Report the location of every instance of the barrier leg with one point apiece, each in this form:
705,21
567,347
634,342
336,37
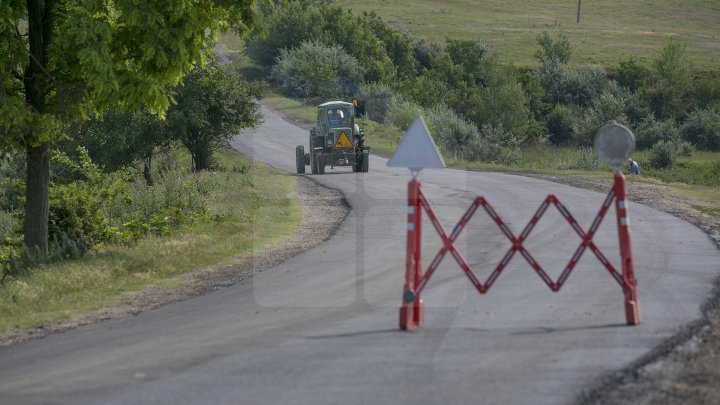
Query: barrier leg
632,305
411,310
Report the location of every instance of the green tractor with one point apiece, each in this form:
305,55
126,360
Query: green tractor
336,140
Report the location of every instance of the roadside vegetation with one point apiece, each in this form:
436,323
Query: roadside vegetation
487,111
114,162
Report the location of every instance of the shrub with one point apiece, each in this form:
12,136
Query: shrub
561,123
329,23
377,99
402,115
668,93
316,70
661,155
570,86
557,48
632,75
654,131
615,103
496,145
702,129
452,132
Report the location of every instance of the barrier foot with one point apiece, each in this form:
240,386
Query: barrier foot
632,308
412,314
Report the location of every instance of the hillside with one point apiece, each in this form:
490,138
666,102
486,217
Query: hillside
609,31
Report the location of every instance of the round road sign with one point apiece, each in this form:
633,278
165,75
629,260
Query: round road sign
614,143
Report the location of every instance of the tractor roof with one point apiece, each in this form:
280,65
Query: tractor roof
336,103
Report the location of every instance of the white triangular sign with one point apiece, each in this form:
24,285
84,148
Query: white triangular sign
417,149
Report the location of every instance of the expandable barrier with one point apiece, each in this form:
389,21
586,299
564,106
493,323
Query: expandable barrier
412,311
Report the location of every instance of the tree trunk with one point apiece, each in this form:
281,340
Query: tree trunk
201,158
41,18
36,203
147,169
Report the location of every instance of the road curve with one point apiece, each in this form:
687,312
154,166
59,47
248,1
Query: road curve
321,328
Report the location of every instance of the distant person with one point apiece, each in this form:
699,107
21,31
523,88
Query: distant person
634,168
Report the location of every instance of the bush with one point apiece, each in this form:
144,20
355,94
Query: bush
365,37
452,132
653,131
668,93
402,115
81,210
570,86
557,48
496,145
561,123
377,99
632,75
316,70
661,155
664,154
615,103
702,129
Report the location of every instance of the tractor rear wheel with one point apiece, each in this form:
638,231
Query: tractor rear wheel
357,164
300,159
321,164
365,161
313,163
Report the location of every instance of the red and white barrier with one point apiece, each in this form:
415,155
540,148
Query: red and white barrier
411,310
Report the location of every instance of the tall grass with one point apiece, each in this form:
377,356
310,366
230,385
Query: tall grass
255,210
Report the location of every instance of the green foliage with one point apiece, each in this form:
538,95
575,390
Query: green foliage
82,209
377,98
702,129
557,48
561,123
654,131
667,94
327,23
315,70
502,103
615,103
706,91
453,134
403,114
495,145
78,58
565,85
213,104
662,155
632,75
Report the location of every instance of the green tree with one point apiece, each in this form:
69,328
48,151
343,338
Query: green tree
316,70
61,60
557,48
118,139
668,93
212,105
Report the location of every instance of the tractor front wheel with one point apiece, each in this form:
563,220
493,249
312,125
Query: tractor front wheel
300,159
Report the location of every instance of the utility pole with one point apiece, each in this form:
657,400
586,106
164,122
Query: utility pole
578,15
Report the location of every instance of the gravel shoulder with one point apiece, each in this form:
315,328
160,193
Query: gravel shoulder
683,370
323,210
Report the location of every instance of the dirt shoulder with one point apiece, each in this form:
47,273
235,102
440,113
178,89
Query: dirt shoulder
322,209
683,370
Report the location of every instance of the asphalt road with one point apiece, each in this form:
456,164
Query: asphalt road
321,328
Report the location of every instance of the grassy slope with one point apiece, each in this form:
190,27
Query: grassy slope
609,31
258,212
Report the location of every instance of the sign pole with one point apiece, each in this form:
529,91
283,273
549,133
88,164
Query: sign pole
412,308
632,305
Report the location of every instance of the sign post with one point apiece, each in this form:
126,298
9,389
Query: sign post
613,144
416,151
